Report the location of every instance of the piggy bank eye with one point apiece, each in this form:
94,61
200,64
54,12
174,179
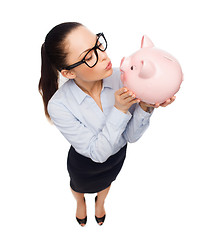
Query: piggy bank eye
133,67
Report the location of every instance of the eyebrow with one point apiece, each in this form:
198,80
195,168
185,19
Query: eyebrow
88,48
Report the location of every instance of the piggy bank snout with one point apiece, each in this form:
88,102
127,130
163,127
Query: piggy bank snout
121,65
125,63
122,60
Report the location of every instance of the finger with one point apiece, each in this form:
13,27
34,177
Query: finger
130,99
173,99
128,94
121,91
150,105
156,105
133,101
166,103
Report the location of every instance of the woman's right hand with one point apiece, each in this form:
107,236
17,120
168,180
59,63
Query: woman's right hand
124,99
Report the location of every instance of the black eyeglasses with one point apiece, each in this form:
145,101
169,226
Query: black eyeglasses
91,57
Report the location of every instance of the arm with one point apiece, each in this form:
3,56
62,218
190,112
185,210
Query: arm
98,146
138,123
141,118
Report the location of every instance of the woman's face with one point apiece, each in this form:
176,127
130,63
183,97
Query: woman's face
77,43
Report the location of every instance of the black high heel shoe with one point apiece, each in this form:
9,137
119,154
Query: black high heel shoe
82,221
99,220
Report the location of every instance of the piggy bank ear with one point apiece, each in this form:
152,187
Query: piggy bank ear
147,69
146,42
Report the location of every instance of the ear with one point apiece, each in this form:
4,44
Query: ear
147,69
146,42
68,74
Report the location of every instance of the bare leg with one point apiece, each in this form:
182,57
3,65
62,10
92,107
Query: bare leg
81,205
99,206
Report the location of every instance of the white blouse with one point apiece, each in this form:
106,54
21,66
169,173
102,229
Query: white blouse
92,132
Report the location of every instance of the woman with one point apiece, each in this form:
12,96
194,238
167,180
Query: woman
94,112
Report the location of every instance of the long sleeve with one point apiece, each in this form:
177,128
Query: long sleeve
92,132
99,146
137,125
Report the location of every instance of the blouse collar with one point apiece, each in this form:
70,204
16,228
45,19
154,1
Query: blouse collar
80,95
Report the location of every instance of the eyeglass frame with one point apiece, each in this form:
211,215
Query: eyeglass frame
95,50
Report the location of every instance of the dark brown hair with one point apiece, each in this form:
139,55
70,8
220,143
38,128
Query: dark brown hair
53,59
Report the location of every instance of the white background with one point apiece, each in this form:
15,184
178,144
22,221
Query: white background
172,183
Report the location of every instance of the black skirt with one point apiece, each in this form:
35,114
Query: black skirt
87,176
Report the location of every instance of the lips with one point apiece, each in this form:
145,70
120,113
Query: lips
109,66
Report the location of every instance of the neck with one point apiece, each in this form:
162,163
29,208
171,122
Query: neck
91,88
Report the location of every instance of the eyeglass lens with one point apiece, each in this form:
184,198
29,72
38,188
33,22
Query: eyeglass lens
91,58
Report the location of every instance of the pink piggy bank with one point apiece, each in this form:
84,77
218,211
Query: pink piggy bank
153,75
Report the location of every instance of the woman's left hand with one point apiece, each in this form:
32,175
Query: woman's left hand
145,106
